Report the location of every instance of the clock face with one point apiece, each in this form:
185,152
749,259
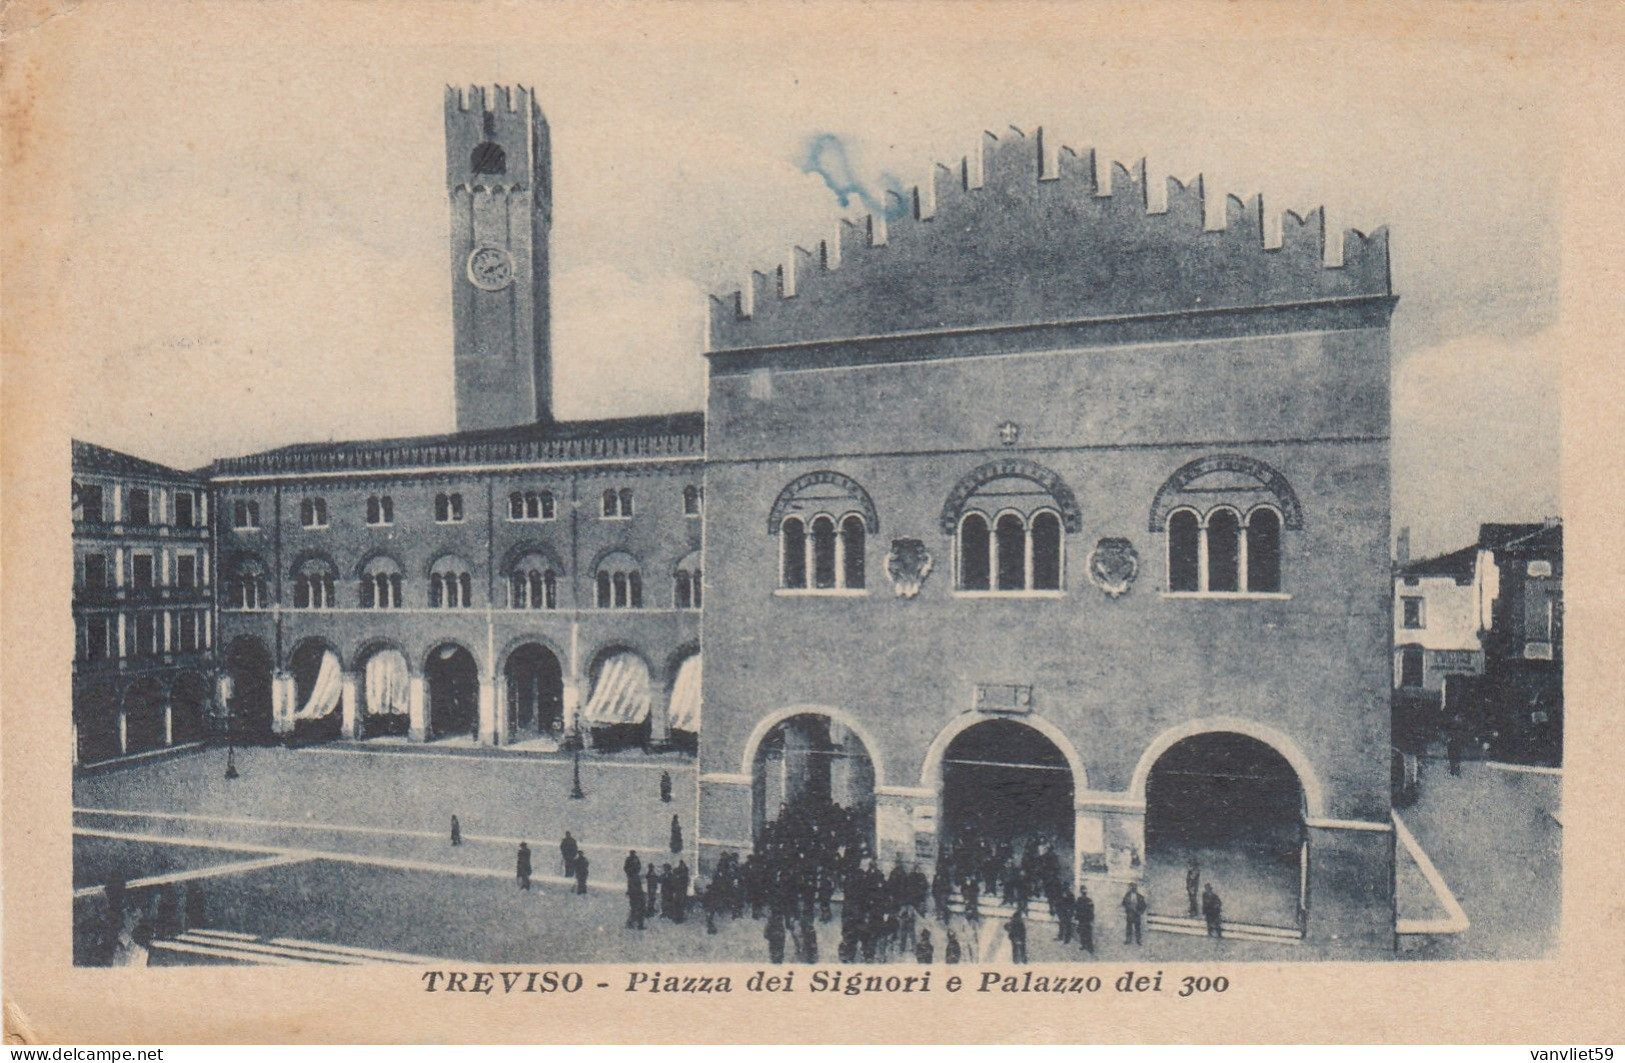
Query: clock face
490,268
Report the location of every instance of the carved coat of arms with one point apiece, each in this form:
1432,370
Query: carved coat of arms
1113,564
908,564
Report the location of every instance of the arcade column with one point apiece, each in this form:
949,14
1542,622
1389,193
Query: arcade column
502,710
417,716
659,717
283,696
350,705
488,711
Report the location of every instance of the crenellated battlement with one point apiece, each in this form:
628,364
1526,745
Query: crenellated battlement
1016,235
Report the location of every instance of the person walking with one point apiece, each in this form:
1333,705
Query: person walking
523,866
456,832
568,848
679,889
676,836
1016,930
1211,909
1083,920
581,873
634,891
651,891
775,938
1133,914
950,949
1193,885
924,951
665,787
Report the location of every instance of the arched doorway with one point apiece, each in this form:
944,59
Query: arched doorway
188,707
1234,804
813,766
385,692
453,682
1007,795
96,715
535,683
143,716
318,690
248,664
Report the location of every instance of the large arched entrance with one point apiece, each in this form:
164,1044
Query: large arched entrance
189,703
385,692
143,716
453,682
1235,805
813,767
318,690
248,664
1007,796
96,716
535,682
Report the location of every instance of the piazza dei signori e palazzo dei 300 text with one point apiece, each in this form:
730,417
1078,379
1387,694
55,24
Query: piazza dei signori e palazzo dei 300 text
1018,507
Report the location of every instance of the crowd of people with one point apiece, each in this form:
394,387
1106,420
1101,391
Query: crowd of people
815,852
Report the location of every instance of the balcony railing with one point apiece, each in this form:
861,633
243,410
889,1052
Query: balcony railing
91,527
143,595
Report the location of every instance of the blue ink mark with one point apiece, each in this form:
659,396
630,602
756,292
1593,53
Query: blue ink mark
826,156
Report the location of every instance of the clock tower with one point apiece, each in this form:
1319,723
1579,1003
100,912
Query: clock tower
498,176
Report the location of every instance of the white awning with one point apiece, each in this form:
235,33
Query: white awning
326,691
622,694
685,697
388,684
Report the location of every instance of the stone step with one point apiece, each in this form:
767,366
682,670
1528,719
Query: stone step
1178,924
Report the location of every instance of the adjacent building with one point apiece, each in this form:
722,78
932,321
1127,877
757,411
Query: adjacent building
143,597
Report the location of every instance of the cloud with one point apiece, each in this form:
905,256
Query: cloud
1475,438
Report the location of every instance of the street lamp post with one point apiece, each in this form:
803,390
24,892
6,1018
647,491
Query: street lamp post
231,741
576,792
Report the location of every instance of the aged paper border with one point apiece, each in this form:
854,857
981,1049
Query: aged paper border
1573,997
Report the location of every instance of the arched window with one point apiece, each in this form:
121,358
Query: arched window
626,501
246,586
451,585
1263,544
380,584
313,584
1010,552
313,512
1223,552
823,552
516,505
975,564
1046,551
619,582
1021,548
1184,551
793,554
488,158
686,583
852,551
380,510
612,503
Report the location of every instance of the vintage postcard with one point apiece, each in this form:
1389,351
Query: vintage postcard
810,523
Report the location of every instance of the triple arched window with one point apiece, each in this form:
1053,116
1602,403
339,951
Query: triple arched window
531,505
380,584
533,583
619,582
313,584
1224,551
247,586
1011,552
823,521
451,585
1225,517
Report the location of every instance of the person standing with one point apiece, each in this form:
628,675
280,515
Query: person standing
809,939
1133,914
1452,747
634,891
581,873
1193,885
1016,930
665,787
1062,904
523,866
711,900
676,836
950,950
775,938
456,832
568,848
1083,919
907,920
651,892
1211,909
941,890
679,889
924,951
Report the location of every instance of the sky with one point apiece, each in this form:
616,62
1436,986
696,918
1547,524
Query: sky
257,245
